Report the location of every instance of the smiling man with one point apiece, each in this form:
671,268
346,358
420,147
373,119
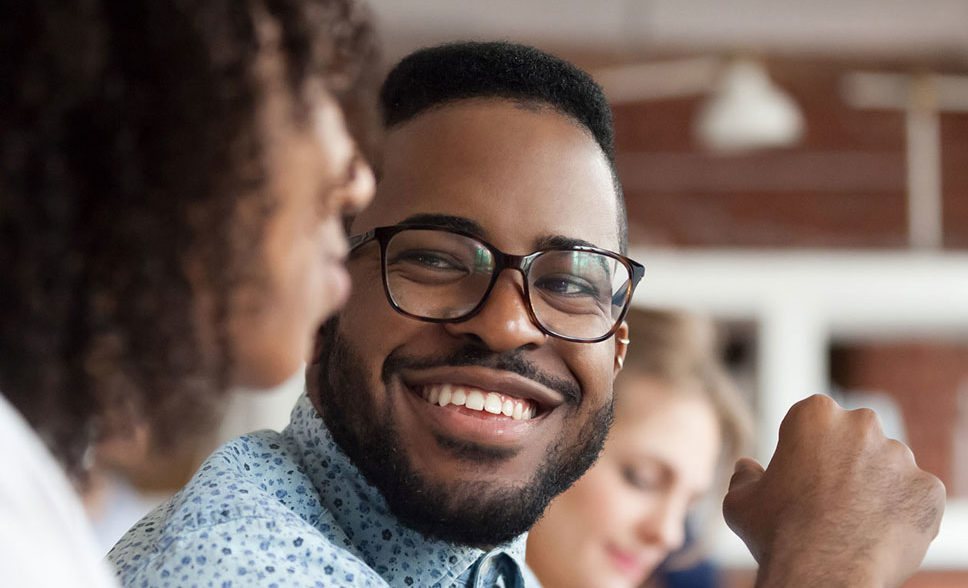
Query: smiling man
469,379
476,394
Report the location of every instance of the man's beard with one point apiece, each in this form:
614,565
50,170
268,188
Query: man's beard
478,514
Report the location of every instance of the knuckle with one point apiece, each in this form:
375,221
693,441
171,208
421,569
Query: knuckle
811,407
813,411
933,500
935,487
867,420
901,451
816,402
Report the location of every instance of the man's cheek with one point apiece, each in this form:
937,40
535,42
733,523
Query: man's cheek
366,325
595,375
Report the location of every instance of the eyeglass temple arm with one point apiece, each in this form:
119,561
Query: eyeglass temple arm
357,240
623,293
619,298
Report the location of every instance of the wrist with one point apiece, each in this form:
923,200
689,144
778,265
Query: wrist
806,563
811,574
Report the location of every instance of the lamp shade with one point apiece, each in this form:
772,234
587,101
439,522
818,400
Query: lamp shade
747,111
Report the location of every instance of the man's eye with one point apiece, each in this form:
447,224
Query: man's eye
429,260
566,285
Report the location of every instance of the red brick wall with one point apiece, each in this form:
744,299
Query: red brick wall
844,186
923,377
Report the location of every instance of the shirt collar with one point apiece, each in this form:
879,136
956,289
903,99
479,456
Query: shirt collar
399,554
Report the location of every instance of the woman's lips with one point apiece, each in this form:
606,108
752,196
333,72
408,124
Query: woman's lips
628,563
339,282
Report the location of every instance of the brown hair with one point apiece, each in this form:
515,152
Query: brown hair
681,350
130,146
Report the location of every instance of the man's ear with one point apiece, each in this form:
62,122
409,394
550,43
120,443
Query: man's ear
621,346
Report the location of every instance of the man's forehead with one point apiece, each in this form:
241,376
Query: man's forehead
508,234
511,171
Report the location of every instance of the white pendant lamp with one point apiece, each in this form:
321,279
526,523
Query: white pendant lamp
747,111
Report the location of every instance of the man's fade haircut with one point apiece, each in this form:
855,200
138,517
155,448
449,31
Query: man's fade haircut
436,76
131,145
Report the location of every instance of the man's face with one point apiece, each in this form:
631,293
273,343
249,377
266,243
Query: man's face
522,178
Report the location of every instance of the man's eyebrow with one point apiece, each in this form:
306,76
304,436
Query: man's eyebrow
560,242
461,223
446,221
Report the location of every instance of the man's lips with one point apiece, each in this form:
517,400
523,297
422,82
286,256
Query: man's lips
482,401
489,382
484,397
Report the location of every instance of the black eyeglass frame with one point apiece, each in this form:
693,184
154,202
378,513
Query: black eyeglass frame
502,261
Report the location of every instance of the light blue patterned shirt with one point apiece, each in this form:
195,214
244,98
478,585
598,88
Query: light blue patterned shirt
290,509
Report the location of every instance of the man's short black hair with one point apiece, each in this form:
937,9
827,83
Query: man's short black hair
435,76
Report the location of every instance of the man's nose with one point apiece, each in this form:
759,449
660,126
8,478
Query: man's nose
504,323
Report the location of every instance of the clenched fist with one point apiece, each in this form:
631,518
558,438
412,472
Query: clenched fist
839,505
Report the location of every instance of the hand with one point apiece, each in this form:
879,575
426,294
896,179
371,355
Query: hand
840,504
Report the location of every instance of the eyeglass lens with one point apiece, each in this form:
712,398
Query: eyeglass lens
442,275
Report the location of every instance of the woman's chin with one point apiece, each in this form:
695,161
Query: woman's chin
337,289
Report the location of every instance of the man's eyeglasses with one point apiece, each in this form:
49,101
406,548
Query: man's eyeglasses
442,275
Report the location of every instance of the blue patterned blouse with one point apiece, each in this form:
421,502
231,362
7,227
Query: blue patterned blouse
290,509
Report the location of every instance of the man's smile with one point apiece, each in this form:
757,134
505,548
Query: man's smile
481,401
480,405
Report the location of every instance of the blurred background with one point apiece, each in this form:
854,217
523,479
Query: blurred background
798,170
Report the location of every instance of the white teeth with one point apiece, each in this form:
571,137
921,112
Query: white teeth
475,400
508,407
445,394
492,403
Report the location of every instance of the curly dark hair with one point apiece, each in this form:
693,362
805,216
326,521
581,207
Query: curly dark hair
130,149
436,76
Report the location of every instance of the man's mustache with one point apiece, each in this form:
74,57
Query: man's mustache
509,361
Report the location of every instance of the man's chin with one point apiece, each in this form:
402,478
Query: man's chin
476,512
474,455
393,445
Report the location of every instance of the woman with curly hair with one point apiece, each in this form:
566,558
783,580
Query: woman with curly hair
173,176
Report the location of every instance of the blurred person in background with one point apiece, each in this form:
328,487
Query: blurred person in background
173,177
680,424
